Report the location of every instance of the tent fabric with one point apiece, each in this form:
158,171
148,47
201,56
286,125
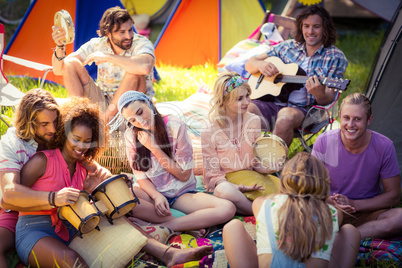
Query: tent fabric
158,10
33,41
384,9
385,86
198,32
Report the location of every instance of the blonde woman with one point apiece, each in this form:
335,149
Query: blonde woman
295,228
227,140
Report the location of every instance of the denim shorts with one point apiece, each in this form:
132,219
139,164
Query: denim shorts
31,228
171,200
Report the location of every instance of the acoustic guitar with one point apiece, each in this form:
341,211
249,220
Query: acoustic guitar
290,77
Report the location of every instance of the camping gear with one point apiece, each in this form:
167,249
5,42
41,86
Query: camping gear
198,32
62,18
116,196
270,149
384,86
83,215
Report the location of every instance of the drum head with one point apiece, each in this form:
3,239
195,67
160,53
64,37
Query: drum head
101,186
62,18
270,150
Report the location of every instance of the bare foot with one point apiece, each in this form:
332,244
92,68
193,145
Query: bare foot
176,256
139,221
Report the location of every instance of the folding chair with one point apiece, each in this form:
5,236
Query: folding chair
286,25
317,117
10,96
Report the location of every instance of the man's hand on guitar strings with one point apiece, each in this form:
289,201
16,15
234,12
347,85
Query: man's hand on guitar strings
268,69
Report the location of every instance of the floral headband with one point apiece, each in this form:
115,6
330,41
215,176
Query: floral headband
233,83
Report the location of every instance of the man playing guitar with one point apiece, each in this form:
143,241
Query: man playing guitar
313,51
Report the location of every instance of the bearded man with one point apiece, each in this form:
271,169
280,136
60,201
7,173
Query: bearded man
124,59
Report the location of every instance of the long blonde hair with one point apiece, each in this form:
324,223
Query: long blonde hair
34,101
305,220
224,95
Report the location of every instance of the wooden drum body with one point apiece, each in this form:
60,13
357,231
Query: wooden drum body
62,18
270,149
116,196
83,215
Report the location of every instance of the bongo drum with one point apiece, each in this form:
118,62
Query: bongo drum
116,196
270,149
83,215
62,18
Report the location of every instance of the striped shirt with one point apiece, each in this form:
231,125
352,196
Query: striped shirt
325,62
15,152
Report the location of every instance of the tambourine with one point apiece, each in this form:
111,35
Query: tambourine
270,149
62,18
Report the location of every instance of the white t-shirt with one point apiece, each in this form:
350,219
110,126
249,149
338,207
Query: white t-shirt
300,96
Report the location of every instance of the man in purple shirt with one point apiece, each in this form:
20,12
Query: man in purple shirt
314,51
359,162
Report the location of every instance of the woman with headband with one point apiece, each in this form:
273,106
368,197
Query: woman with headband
227,141
161,156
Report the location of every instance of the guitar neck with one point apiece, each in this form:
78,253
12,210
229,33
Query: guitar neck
295,79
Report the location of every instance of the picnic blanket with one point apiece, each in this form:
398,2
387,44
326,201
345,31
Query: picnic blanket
374,250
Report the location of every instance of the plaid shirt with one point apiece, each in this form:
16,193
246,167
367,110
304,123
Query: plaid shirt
326,62
110,75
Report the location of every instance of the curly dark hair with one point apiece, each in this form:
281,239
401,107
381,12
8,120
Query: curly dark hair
80,111
329,31
114,16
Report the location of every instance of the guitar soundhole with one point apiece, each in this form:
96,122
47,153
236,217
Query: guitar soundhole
278,78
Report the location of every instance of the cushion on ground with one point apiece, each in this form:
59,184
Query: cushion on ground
270,183
113,246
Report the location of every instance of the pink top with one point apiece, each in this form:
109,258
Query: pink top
223,154
56,177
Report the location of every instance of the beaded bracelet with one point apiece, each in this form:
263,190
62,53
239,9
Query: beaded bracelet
59,59
53,199
49,198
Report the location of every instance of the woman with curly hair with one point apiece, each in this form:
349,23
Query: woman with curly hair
295,228
227,141
41,237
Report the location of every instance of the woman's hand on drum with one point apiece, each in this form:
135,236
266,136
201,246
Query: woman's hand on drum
93,179
58,34
162,206
244,188
66,196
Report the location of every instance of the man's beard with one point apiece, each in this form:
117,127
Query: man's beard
120,43
43,139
